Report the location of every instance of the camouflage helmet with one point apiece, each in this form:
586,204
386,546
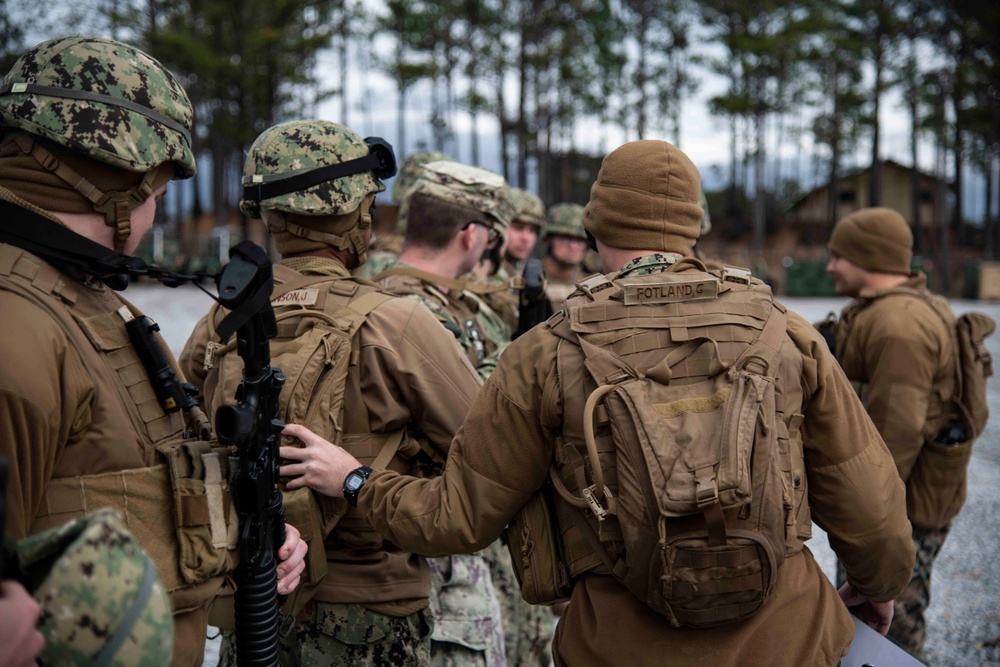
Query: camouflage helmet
565,220
103,99
530,209
313,167
479,189
408,170
102,601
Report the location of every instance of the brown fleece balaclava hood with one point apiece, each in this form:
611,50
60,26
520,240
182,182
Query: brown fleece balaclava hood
55,179
876,239
646,198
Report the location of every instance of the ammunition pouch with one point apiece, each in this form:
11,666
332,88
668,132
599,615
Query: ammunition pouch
194,545
936,487
536,551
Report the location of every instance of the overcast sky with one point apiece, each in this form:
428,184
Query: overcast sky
704,137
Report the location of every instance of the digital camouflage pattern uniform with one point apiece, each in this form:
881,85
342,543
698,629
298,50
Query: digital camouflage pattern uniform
900,356
468,622
372,606
527,628
530,211
102,601
77,407
480,331
562,220
386,248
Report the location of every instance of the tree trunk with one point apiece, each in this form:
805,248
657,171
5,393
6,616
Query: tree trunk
641,75
988,239
401,121
944,262
916,187
875,173
733,161
502,118
522,109
958,214
913,101
474,122
759,189
401,86
344,34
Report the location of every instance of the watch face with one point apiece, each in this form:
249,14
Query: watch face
353,482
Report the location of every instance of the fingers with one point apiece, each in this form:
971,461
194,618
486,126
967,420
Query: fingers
302,433
883,612
294,453
293,551
850,597
286,587
292,539
286,573
19,613
293,469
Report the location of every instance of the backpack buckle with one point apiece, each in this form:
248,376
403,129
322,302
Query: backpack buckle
590,495
706,490
594,283
211,348
733,274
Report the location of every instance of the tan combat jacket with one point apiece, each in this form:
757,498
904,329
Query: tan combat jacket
76,401
479,330
411,375
504,453
900,355
559,290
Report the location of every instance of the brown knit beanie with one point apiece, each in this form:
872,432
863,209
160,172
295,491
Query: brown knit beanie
646,198
876,239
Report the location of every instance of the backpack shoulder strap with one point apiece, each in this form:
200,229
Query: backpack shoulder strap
767,346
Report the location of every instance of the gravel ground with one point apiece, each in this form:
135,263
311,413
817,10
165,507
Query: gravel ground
964,618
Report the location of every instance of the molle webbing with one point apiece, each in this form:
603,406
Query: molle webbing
101,341
474,286
340,302
144,498
598,316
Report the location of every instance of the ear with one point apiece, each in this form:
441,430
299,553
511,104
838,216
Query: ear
467,236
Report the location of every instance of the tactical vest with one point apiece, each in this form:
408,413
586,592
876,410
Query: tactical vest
646,318
193,542
317,348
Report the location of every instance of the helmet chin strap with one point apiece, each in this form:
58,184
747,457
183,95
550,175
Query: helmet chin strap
117,206
353,240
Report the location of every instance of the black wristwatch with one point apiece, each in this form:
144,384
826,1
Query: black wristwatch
353,483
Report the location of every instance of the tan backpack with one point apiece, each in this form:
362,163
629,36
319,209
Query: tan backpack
316,347
973,361
975,365
700,501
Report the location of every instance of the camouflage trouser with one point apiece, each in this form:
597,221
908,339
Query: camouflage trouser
349,635
909,629
463,604
527,629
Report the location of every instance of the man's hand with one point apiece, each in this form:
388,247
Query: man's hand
322,466
876,615
21,641
292,555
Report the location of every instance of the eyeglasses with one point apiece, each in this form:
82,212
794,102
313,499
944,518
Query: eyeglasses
494,233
